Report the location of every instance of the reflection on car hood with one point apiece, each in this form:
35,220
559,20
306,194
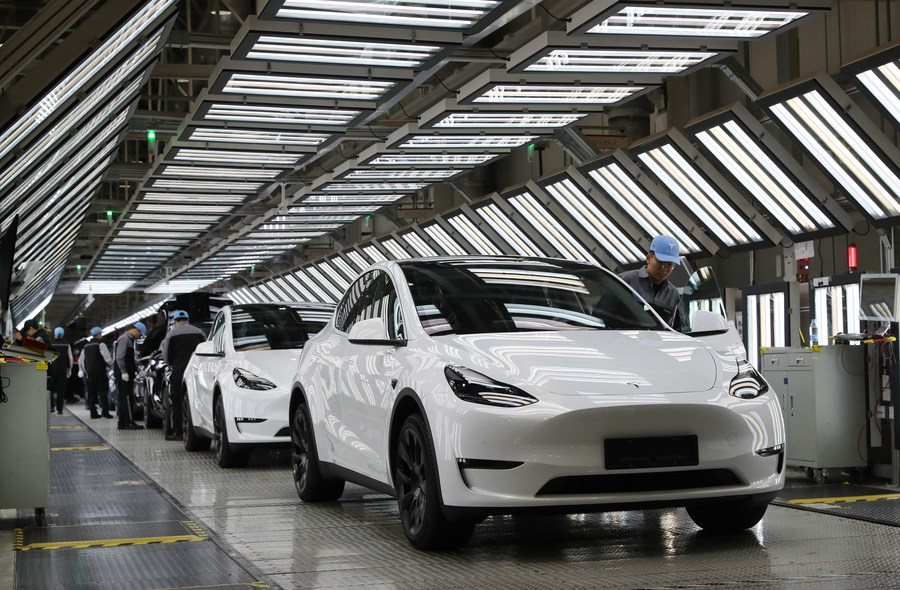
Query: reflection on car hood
278,366
588,361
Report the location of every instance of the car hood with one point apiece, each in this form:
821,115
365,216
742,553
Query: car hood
278,366
588,362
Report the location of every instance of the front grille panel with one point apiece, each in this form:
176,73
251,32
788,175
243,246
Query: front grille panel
639,482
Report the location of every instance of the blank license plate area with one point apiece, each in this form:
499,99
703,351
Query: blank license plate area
658,451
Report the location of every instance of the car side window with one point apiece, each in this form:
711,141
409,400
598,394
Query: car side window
352,306
217,335
386,305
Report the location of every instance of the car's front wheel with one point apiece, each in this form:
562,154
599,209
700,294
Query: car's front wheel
727,517
226,454
311,485
192,441
418,493
151,420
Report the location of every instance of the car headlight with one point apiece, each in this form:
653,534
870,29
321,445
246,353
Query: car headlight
247,380
748,383
476,388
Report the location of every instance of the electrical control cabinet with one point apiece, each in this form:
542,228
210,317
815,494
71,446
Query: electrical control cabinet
822,396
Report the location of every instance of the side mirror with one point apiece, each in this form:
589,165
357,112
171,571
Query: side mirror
206,349
372,331
708,322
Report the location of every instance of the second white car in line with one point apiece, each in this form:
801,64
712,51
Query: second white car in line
237,385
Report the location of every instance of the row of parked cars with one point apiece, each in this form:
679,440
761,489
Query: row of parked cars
472,386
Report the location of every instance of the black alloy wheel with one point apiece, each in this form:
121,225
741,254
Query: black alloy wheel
311,485
192,441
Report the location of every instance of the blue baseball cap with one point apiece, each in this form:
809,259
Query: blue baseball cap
665,248
59,332
141,327
180,315
96,331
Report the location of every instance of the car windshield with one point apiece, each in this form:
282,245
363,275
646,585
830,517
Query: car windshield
473,296
274,327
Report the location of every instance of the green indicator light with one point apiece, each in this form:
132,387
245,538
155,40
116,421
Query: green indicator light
78,267
109,213
151,135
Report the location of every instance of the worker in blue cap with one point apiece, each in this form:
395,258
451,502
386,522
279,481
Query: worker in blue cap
125,368
651,281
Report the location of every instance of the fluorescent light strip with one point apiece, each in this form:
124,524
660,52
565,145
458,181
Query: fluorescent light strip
431,159
176,218
81,75
760,174
333,276
206,156
466,141
352,187
241,295
281,115
450,246
374,253
330,209
159,235
475,237
207,185
550,228
179,286
418,244
306,87
836,146
453,14
508,120
257,137
696,22
884,84
320,294
375,174
614,61
136,225
284,286
513,235
640,206
212,172
282,294
185,199
305,293
395,249
337,51
349,272
334,291
357,259
573,200
178,209
101,287
699,196
348,199
566,94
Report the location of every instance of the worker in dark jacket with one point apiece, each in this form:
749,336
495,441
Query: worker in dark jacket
60,369
125,368
652,280
93,363
177,348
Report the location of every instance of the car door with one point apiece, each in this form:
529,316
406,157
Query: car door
208,366
367,375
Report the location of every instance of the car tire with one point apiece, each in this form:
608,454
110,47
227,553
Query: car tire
311,485
418,491
727,517
192,441
226,454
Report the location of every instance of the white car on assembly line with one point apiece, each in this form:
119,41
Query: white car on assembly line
237,384
472,386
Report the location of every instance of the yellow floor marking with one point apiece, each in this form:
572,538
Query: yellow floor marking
64,427
88,448
844,499
111,542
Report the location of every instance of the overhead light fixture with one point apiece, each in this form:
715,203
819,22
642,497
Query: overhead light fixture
447,114
101,287
415,242
617,176
698,18
549,227
596,222
366,187
335,277
306,87
443,238
340,51
514,236
278,114
553,51
334,290
348,271
451,14
187,198
746,152
337,197
699,195
252,173
847,146
878,74
467,229
413,160
183,208
178,286
467,142
367,175
245,157
396,250
498,87
204,185
255,136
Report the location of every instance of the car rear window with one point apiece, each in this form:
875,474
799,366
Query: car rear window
257,327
